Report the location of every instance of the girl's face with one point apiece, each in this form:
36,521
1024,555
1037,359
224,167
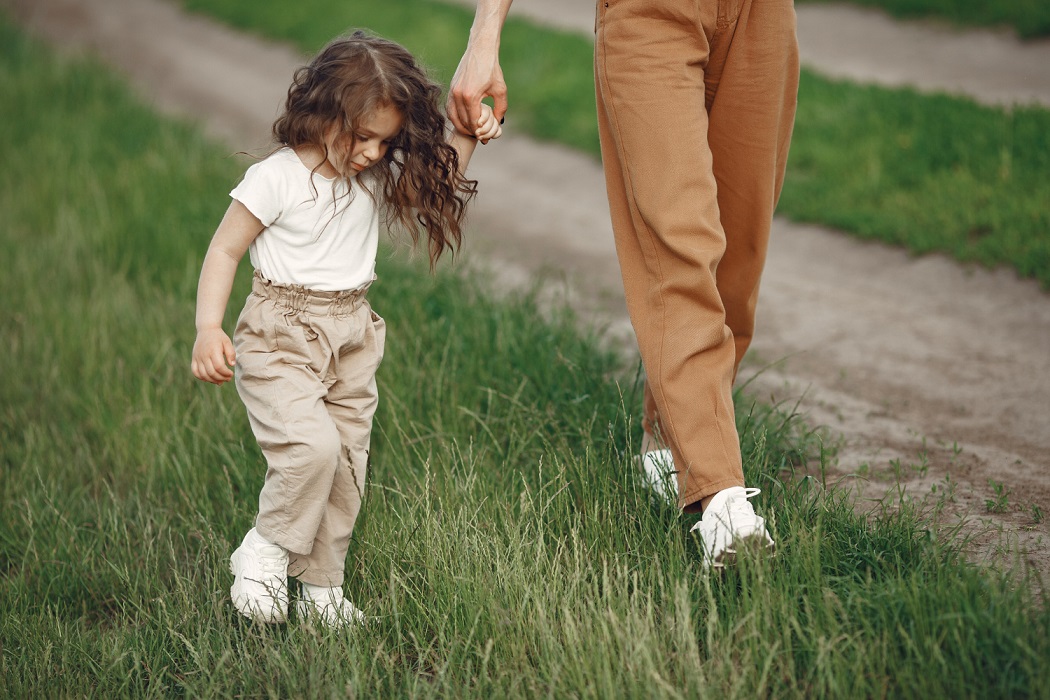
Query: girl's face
350,155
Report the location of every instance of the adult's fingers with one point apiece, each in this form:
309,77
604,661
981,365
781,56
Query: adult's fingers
464,106
464,114
499,104
453,112
473,113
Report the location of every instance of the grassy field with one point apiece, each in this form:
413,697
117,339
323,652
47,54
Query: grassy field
930,173
1029,18
506,547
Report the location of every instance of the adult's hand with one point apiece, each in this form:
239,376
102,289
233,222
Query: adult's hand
479,74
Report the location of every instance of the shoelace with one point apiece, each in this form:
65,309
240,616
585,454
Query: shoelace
271,560
740,505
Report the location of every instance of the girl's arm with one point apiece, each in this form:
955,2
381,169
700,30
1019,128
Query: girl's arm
213,350
488,129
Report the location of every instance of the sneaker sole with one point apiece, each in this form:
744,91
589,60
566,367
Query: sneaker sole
305,613
755,543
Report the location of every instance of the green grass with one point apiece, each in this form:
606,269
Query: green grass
1029,18
927,172
505,546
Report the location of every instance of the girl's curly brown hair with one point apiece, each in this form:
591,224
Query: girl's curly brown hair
418,179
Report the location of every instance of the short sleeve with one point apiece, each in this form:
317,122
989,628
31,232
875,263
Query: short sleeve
260,190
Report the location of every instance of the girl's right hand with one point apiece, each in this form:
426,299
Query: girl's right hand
212,352
488,126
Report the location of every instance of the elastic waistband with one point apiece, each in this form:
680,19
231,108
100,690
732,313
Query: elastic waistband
295,298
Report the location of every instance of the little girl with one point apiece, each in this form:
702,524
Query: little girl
361,132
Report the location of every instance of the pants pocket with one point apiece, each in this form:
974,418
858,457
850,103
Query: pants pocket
379,327
252,332
290,339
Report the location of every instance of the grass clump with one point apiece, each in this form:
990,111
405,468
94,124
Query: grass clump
505,548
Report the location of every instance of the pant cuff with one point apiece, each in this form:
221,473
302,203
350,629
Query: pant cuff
699,493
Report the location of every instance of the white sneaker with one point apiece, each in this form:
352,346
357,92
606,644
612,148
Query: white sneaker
328,606
729,522
260,579
660,474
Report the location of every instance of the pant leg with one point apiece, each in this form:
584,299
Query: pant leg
654,91
752,89
285,401
351,401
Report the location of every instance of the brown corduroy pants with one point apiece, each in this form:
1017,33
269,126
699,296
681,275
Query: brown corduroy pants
306,366
696,104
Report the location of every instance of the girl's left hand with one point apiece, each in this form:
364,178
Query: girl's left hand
488,126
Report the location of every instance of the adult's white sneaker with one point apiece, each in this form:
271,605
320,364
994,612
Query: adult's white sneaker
260,579
729,523
328,606
660,474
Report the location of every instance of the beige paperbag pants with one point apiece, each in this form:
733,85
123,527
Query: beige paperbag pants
306,365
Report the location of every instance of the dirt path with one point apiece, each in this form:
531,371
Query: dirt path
897,356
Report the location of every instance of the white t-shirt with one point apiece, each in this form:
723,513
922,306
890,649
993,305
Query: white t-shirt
322,237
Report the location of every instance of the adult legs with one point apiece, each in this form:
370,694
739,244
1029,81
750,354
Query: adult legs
684,96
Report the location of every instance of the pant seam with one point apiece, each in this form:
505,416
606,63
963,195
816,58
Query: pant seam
629,181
